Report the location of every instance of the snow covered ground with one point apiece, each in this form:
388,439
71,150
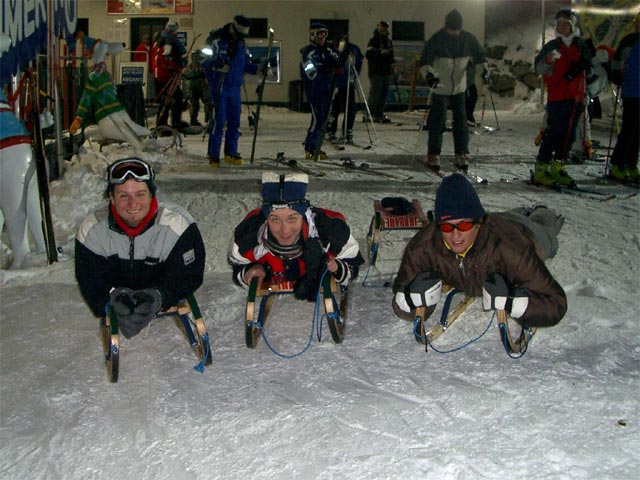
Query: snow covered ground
376,406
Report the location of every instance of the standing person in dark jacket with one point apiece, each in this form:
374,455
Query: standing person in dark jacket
497,256
317,69
345,96
141,255
626,72
562,62
225,68
168,63
289,240
381,62
444,63
198,89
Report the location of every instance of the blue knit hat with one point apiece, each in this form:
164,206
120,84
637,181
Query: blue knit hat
456,198
284,191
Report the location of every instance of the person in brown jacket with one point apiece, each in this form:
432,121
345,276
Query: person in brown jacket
499,256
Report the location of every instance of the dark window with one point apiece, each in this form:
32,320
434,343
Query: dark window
259,28
407,31
335,27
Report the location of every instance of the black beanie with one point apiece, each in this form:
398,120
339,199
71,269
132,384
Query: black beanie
453,20
456,198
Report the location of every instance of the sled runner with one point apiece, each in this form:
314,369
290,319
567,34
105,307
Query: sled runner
446,320
403,216
190,322
333,296
518,346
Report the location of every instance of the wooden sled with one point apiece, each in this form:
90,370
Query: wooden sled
448,318
190,322
383,219
334,300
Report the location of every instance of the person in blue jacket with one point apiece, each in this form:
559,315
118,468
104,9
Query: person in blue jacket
626,72
345,95
224,69
317,68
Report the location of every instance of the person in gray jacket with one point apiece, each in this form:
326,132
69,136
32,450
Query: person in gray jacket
136,254
444,62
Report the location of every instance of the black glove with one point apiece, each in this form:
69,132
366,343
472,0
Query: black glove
497,294
432,81
424,291
122,301
574,70
148,302
135,309
315,260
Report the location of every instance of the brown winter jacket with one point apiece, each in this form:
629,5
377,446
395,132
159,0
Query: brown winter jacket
503,247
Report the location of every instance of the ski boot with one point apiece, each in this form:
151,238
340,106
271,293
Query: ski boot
432,162
349,138
234,159
331,136
542,175
618,173
560,175
634,176
308,155
214,162
462,162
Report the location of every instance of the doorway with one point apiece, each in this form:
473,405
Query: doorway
146,26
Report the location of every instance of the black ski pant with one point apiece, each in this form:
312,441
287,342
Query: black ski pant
625,154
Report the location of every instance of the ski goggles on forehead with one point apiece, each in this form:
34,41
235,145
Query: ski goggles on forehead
135,168
463,226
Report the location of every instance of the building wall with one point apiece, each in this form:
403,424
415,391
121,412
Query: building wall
290,20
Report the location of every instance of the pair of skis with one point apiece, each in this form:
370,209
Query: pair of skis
297,166
350,166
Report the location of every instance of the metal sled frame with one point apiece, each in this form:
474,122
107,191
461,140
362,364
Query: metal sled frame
190,322
383,220
334,300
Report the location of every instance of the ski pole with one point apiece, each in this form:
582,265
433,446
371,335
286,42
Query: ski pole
256,119
363,98
250,116
425,119
613,120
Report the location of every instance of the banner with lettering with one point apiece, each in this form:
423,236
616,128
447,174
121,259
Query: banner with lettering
26,24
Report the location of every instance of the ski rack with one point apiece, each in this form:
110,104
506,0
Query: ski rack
191,323
384,220
334,299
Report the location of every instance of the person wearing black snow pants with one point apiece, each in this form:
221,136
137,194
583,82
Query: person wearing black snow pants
317,69
345,96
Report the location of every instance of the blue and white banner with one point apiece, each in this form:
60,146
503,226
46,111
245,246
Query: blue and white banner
25,21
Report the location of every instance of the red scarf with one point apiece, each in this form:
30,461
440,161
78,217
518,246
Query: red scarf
134,232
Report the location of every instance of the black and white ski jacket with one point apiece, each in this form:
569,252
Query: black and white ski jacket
168,255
